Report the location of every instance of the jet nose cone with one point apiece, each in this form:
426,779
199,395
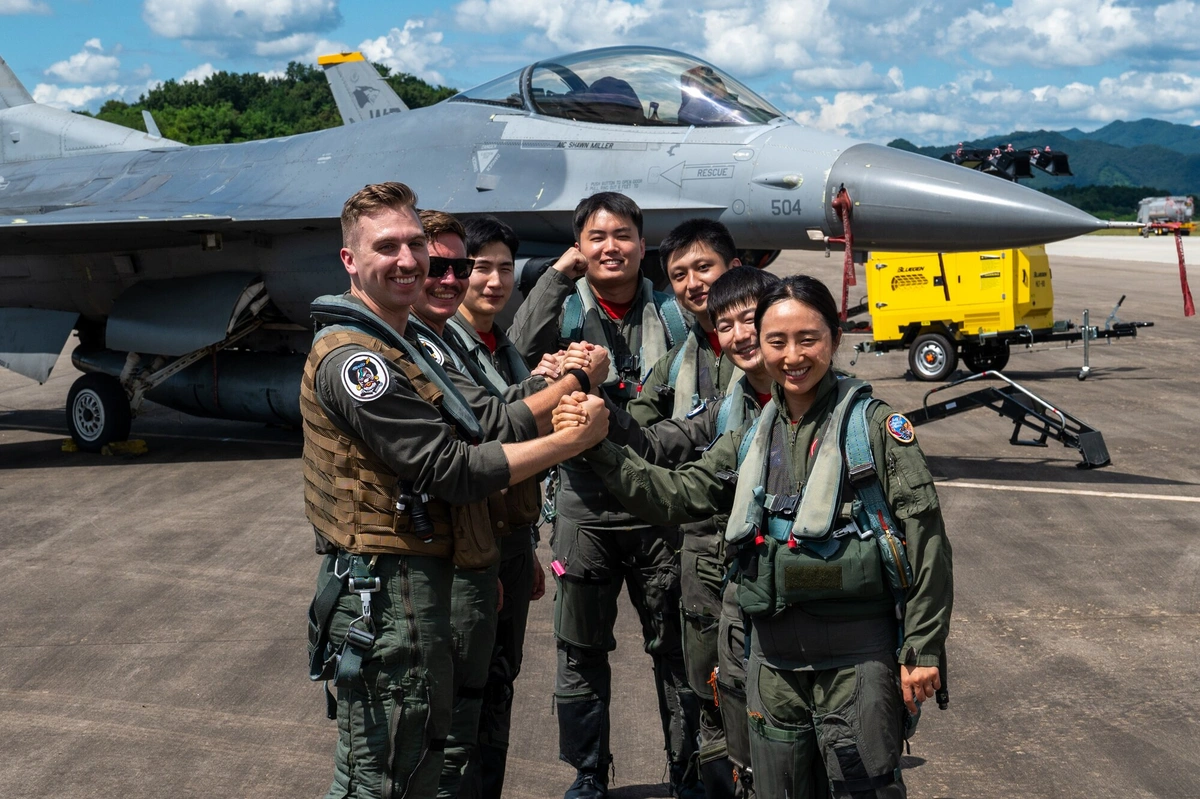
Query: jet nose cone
906,201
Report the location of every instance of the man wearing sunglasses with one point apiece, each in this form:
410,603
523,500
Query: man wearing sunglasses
395,461
475,597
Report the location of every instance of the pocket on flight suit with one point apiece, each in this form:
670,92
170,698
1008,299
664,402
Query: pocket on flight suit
409,746
585,604
860,724
782,743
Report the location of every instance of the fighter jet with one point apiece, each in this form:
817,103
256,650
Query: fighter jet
188,271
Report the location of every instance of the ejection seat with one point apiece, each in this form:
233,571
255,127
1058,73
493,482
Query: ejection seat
608,100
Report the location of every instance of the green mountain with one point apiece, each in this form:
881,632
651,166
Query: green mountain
1181,138
1095,162
231,107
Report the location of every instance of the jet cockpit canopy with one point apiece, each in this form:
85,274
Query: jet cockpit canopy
628,86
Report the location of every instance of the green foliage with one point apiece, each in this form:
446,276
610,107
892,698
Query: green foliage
1106,202
232,107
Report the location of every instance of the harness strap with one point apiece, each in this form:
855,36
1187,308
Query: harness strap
874,513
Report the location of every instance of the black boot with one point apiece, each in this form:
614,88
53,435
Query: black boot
589,784
718,779
685,780
583,743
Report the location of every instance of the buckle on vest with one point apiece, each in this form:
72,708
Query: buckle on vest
862,472
726,476
363,585
783,505
359,638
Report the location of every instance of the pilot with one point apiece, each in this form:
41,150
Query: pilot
831,577
704,98
477,589
493,245
597,547
393,466
689,377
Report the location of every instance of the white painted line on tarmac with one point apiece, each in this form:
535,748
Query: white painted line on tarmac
1074,491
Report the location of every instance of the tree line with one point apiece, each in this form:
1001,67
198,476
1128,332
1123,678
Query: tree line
233,107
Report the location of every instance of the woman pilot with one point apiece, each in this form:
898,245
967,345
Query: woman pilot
844,569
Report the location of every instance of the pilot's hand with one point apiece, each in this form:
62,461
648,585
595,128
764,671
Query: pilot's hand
551,366
539,580
598,364
576,356
569,412
918,683
573,263
595,422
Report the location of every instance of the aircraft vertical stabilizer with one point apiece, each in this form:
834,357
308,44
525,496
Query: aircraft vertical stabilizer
359,90
34,132
12,93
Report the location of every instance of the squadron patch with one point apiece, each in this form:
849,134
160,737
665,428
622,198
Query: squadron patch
365,376
434,351
901,429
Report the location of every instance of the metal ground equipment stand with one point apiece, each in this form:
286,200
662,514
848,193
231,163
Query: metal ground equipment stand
1025,409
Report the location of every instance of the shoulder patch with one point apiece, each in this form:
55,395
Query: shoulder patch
901,429
365,376
433,350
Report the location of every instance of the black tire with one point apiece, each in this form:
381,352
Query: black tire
985,359
932,357
98,412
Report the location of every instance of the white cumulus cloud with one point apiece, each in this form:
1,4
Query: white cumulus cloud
411,49
23,7
298,47
198,74
75,97
1073,33
239,19
89,65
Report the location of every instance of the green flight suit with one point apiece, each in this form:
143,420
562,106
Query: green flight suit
703,563
599,547
473,614
393,720
823,678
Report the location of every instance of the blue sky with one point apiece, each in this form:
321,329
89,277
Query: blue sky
932,71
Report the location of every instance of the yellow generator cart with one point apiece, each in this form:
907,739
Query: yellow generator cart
939,306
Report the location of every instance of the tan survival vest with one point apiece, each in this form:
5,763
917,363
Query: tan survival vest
350,494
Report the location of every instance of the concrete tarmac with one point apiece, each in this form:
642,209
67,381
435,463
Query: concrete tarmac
153,637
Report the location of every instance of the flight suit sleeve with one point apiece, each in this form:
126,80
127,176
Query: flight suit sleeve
535,328
662,496
506,422
526,388
908,487
670,442
410,435
651,405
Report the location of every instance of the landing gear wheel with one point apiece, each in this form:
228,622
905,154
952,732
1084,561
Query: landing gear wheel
932,357
986,359
98,412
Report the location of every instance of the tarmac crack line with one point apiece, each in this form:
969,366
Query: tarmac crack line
1073,491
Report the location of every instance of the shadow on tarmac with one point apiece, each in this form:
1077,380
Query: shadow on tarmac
1041,470
195,443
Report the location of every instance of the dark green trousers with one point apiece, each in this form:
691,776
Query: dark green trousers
596,563
485,772
393,721
834,732
473,629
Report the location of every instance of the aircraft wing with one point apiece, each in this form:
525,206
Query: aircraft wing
359,90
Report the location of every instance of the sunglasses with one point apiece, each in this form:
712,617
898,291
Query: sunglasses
462,266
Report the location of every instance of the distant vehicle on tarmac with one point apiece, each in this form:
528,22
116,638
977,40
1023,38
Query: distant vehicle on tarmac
974,305
1162,216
